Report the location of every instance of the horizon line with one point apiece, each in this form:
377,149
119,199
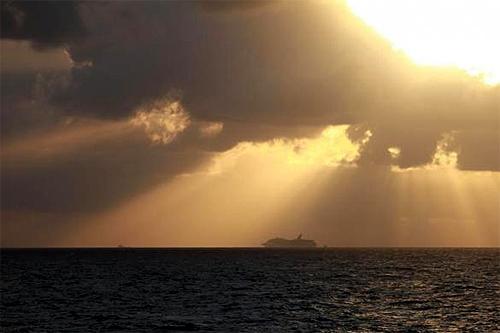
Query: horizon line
240,247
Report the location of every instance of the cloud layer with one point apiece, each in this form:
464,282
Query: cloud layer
284,64
208,79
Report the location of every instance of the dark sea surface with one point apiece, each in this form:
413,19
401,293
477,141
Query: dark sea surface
250,290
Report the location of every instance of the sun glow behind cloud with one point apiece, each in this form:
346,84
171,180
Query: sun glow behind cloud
332,147
162,120
208,129
446,154
461,33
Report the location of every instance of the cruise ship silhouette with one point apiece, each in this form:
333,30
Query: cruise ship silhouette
290,243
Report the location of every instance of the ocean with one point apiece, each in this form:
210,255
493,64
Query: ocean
250,290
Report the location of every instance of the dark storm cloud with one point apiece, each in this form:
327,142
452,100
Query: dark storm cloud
94,178
25,105
459,106
31,76
44,23
286,65
234,66
283,69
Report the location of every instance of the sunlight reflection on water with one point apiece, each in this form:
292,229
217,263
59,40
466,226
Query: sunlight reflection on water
250,290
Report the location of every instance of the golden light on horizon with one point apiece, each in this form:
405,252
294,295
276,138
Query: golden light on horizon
331,147
449,33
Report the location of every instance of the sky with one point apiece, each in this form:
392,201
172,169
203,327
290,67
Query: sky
354,123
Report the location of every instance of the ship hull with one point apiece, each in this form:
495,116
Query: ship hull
291,244
289,247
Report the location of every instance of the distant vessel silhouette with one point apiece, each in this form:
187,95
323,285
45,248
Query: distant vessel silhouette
290,243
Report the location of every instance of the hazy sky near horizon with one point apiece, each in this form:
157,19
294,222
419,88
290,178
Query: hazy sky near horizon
228,123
